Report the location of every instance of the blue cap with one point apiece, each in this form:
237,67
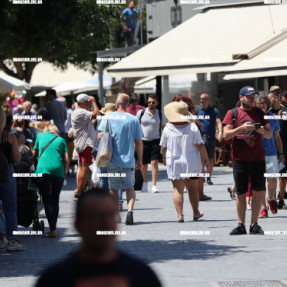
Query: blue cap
247,91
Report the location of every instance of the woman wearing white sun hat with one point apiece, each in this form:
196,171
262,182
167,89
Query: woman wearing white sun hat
181,148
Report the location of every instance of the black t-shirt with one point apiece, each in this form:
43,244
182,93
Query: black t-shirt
124,271
283,125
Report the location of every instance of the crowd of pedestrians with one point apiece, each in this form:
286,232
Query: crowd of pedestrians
180,137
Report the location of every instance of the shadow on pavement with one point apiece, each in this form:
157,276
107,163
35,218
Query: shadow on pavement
161,251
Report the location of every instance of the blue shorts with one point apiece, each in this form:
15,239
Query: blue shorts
119,181
271,163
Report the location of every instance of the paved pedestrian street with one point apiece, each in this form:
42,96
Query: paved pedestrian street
206,255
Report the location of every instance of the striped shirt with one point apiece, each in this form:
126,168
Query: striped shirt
83,129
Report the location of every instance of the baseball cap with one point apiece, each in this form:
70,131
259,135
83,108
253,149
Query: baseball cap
247,91
273,88
82,98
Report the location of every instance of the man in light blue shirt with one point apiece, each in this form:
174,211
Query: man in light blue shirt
127,136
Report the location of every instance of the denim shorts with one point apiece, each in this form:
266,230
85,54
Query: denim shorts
119,181
271,163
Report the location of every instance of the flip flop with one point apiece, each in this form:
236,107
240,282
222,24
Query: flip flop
197,216
205,197
180,219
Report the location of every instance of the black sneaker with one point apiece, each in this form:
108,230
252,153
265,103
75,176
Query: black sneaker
208,180
285,195
130,219
281,204
239,230
256,229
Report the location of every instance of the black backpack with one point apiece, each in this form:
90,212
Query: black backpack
4,166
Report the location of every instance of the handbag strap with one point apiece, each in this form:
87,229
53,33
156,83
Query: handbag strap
47,145
107,123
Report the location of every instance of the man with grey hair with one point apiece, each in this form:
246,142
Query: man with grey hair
27,109
127,136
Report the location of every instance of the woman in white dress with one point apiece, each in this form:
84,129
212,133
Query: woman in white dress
181,146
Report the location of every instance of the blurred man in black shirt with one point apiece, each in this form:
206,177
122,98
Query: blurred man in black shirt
98,263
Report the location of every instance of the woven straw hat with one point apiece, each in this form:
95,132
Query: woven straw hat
108,108
178,112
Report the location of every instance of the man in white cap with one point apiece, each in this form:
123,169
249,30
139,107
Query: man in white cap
84,136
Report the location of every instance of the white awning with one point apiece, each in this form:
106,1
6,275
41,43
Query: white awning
69,87
207,42
272,62
8,83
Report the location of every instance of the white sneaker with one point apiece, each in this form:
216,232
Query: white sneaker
3,243
144,187
15,246
154,189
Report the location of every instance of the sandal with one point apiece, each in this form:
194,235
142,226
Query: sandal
180,219
205,197
52,234
231,192
196,217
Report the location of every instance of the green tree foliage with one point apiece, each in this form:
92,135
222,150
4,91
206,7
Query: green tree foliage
58,31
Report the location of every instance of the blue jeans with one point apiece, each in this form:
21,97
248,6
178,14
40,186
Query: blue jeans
8,195
2,221
104,182
50,187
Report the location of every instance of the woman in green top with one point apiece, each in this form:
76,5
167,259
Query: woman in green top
53,165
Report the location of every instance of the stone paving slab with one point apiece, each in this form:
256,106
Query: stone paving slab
179,260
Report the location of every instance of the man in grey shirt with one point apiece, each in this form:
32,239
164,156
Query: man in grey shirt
56,111
84,136
152,122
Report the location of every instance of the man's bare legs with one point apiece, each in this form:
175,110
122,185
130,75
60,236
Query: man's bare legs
82,178
241,207
131,197
256,204
144,172
154,171
282,184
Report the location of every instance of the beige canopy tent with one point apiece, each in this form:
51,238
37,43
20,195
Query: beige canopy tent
272,62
